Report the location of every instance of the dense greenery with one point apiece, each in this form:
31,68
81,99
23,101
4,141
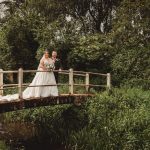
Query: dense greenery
3,146
120,120
94,35
105,36
117,121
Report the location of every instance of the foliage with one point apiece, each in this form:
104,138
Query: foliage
5,54
130,37
60,35
132,63
21,42
139,83
131,25
94,14
103,36
53,123
92,51
93,35
3,146
116,121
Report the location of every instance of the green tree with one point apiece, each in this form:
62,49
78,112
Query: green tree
96,15
6,58
92,52
20,40
130,38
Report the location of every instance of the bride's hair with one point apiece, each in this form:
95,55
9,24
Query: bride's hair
46,51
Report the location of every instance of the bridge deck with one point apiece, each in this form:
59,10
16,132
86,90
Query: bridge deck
6,106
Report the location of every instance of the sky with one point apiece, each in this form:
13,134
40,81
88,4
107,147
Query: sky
1,9
1,0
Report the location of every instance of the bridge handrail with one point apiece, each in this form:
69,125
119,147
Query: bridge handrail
59,84
92,73
60,71
69,72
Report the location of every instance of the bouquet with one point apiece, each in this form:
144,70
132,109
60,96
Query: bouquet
50,67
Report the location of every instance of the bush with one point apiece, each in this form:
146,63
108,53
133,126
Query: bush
53,124
139,83
117,121
3,146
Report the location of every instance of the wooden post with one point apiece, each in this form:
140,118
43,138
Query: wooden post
20,82
87,82
1,82
108,81
71,81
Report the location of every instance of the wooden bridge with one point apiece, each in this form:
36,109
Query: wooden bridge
63,98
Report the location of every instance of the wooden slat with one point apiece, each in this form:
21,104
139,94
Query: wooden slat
77,74
9,88
1,82
6,106
91,85
60,72
34,71
94,73
10,85
65,71
27,85
24,85
6,72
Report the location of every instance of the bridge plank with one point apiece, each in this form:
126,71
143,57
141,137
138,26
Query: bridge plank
6,106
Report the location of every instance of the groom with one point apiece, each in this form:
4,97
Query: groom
57,63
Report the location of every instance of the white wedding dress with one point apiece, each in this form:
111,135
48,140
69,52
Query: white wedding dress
41,78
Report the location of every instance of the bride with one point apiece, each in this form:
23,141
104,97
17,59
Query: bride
41,78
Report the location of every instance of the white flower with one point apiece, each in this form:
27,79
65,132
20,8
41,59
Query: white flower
50,67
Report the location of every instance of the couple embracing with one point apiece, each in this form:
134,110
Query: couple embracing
42,79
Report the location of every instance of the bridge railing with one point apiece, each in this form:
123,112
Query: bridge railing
71,74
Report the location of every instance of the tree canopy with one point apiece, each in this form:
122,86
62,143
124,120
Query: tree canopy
106,36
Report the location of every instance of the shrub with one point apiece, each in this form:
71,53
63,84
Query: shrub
117,121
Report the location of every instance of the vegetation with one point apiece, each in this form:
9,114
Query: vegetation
104,36
3,146
117,121
120,120
101,36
